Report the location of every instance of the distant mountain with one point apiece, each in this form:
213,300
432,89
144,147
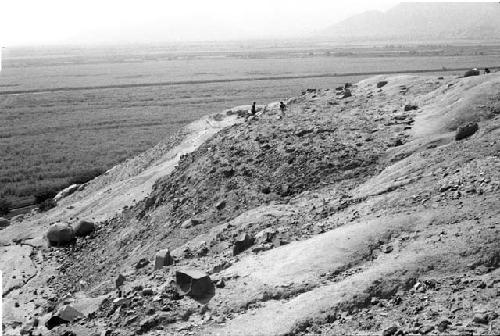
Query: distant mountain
422,21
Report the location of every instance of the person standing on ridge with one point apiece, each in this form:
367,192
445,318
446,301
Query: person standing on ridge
253,108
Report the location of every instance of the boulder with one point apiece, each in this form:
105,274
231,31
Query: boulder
265,236
194,283
66,192
84,228
466,131
4,222
472,72
119,280
220,205
382,84
410,107
241,243
65,314
60,234
190,223
163,258
143,262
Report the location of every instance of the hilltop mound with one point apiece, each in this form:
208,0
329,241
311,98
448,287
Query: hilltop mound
349,214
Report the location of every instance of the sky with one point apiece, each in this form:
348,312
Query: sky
47,22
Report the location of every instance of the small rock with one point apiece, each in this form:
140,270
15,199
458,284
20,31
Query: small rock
120,280
220,205
443,325
143,262
190,223
148,291
425,329
387,249
120,301
390,331
220,284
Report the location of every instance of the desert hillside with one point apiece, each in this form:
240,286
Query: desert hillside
367,210
413,21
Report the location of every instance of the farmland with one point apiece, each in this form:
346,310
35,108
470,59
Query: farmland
67,111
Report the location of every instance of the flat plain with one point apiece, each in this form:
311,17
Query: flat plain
66,111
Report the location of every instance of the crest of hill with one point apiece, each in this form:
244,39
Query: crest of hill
422,21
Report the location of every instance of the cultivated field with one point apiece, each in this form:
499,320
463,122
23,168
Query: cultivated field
68,111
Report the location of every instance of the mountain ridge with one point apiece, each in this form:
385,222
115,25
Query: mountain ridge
421,21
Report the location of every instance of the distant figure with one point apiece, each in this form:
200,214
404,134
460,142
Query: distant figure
282,107
486,70
253,108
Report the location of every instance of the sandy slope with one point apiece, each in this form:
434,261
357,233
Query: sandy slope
379,219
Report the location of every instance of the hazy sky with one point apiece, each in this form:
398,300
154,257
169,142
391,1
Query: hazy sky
25,22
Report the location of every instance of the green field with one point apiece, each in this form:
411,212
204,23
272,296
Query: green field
65,111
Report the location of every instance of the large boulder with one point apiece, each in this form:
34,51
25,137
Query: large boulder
466,131
65,314
4,222
194,283
84,228
60,234
163,258
242,242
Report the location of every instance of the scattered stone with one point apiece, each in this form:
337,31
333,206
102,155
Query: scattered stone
193,283
241,243
466,131
60,234
163,258
84,228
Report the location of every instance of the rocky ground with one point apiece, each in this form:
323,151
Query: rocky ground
355,212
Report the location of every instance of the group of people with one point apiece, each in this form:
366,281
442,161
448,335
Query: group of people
253,110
